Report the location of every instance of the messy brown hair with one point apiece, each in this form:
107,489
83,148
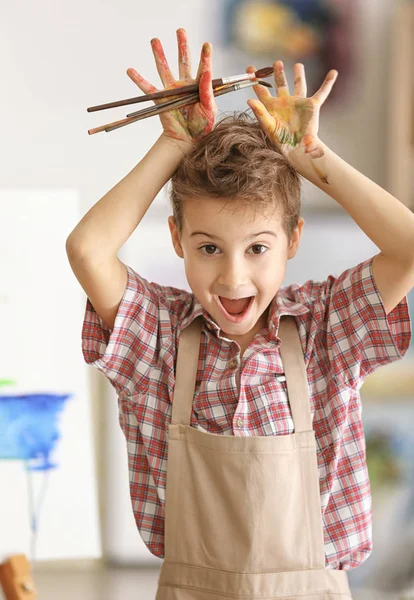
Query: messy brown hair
236,160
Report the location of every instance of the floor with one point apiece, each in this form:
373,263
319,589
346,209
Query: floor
127,584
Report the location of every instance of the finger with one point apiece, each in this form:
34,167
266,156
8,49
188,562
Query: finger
261,91
282,87
184,57
206,60
161,62
206,92
321,95
144,85
267,122
300,80
274,129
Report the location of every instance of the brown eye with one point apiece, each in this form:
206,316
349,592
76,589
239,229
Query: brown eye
209,246
259,246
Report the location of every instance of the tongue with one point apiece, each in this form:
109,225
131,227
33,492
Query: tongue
235,307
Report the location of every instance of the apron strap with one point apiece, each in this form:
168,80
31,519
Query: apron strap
296,380
186,373
293,364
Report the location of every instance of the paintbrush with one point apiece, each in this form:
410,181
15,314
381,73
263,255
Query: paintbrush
174,104
185,89
216,92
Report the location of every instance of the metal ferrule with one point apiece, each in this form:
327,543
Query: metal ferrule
237,77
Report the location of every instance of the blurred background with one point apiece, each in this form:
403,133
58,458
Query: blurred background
69,510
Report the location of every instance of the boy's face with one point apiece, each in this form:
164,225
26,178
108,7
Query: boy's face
227,256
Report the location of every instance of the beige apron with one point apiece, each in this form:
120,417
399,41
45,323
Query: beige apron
243,514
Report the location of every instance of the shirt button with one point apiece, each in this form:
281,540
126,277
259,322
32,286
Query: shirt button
233,363
240,422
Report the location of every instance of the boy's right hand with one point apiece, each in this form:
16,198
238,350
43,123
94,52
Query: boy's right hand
190,123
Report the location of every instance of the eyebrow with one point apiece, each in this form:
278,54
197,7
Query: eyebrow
249,237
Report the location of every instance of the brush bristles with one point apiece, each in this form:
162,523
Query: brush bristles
265,83
265,72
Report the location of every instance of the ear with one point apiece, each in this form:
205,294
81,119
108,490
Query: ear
295,241
175,237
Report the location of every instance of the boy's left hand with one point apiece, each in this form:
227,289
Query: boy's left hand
291,121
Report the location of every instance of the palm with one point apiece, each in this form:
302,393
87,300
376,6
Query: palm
193,121
186,122
291,121
293,118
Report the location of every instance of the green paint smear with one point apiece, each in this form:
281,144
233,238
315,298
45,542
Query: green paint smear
4,382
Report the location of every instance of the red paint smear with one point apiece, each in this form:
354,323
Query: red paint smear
183,46
149,88
206,95
159,52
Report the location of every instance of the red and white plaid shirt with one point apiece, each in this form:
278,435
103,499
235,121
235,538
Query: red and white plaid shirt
345,335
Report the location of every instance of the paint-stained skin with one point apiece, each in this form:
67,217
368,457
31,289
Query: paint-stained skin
184,58
292,121
193,122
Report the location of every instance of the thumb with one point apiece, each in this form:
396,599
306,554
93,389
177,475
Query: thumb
268,123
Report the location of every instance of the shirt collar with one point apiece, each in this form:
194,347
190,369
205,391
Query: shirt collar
280,305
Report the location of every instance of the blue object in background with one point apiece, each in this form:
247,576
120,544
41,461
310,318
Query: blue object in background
29,428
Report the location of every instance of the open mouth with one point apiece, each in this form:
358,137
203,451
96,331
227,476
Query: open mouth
235,310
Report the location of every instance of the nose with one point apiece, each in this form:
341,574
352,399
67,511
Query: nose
233,276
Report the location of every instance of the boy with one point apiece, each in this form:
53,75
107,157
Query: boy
249,389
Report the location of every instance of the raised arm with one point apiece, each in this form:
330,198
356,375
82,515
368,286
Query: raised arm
93,245
292,122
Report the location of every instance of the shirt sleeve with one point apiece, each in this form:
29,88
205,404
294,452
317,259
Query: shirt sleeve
125,353
360,335
350,333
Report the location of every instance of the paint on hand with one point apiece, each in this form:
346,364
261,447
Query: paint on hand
292,115
291,121
280,79
287,121
189,123
198,119
315,151
183,50
161,62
